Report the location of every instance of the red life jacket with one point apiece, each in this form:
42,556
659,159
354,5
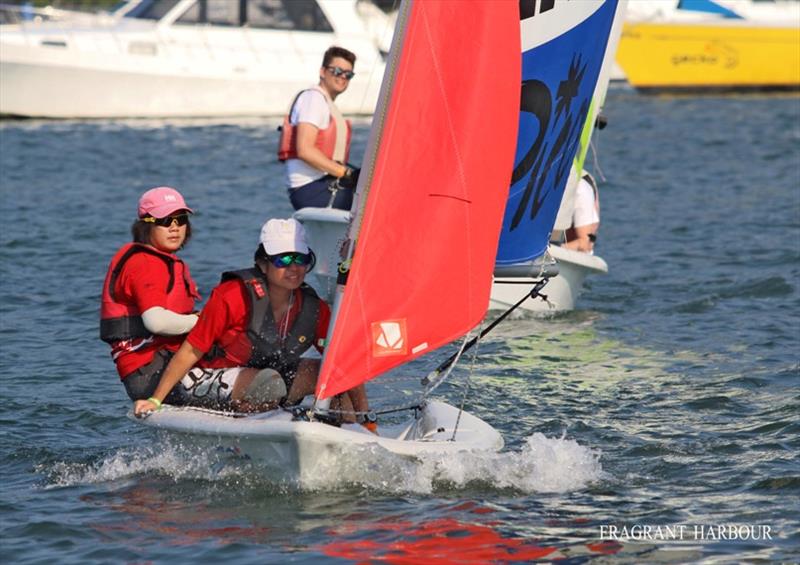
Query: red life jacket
326,138
121,321
260,345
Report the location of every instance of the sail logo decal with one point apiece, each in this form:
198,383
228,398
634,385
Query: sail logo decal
389,337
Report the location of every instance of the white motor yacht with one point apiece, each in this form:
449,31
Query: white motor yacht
188,58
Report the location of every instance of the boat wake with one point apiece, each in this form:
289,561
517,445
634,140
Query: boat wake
542,465
172,459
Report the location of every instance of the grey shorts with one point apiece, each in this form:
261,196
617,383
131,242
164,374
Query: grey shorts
142,383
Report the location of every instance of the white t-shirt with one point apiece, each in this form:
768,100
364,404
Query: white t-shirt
312,108
585,211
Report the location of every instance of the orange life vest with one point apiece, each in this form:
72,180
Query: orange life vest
326,138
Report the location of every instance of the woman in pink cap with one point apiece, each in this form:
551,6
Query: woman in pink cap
148,295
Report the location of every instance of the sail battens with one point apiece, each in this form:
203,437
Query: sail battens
431,220
464,200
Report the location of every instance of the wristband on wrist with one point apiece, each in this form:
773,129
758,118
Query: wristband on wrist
155,401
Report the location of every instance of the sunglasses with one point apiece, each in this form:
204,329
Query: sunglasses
339,72
285,259
180,219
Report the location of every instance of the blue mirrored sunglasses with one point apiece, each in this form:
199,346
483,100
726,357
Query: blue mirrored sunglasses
285,259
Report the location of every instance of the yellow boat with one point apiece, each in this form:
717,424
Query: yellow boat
726,55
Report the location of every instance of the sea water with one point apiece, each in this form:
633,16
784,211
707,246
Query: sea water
656,422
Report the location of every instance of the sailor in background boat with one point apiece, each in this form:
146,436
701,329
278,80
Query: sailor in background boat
247,347
585,216
315,139
148,294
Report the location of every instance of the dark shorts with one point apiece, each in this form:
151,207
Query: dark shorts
317,194
142,383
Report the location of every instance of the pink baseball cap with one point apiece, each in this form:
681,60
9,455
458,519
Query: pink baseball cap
161,202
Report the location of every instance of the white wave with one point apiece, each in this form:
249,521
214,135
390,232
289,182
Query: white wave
542,465
174,460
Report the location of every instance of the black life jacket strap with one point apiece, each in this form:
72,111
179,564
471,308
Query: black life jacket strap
262,331
125,327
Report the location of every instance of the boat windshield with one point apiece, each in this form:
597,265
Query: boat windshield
150,9
302,15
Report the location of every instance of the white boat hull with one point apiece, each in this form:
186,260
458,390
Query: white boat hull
51,89
298,449
562,291
135,68
326,229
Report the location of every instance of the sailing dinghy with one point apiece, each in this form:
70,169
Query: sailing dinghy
431,197
568,54
567,58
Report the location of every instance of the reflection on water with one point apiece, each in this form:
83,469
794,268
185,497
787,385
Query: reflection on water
570,348
471,532
465,532
145,509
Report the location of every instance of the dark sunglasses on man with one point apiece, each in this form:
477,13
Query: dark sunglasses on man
165,222
339,71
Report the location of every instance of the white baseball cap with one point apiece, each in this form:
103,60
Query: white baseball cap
283,236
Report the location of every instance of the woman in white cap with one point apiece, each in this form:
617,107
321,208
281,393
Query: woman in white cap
246,348
148,294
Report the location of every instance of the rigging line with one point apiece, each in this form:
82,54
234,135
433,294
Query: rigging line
434,375
596,161
467,385
547,260
429,388
404,407
212,411
377,39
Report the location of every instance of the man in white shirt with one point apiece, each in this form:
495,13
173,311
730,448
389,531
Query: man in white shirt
585,216
315,139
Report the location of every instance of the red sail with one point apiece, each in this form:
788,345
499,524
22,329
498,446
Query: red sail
422,270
